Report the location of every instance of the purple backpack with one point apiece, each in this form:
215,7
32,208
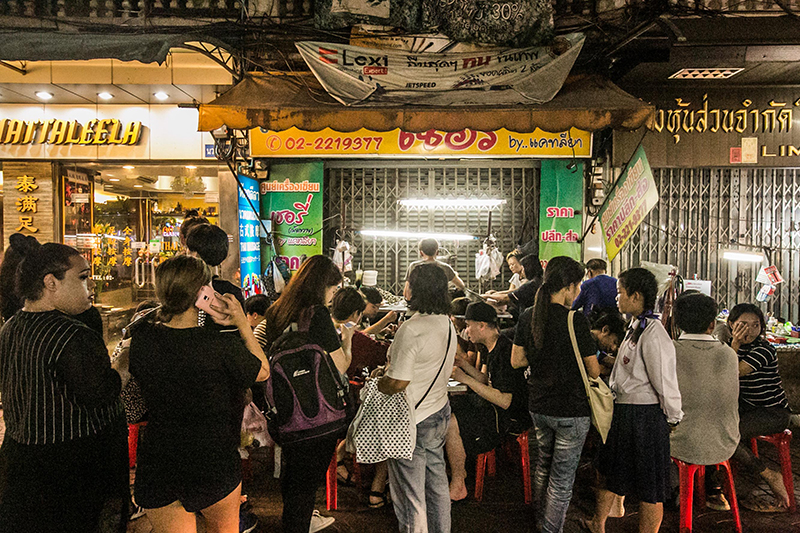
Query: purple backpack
304,394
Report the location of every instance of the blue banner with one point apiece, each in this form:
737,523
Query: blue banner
249,245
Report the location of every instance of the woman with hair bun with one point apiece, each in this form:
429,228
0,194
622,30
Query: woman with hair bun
635,460
19,246
193,381
556,394
65,444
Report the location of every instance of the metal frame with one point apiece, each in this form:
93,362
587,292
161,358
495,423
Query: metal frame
703,210
365,195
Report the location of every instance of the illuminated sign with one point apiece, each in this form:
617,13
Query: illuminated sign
70,132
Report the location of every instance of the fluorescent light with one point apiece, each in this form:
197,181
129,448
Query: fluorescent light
105,96
418,235
161,95
740,255
452,203
594,249
113,179
44,95
129,167
138,186
190,167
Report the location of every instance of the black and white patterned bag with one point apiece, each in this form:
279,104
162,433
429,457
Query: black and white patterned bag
384,427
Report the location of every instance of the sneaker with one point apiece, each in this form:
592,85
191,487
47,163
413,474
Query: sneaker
717,502
247,521
319,522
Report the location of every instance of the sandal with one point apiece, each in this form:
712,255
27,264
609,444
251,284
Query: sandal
384,499
344,481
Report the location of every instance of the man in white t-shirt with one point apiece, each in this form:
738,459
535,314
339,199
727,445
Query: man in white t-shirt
420,362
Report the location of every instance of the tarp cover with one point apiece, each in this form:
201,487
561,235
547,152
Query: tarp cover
279,101
61,46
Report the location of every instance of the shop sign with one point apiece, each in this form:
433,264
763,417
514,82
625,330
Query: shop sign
27,203
292,201
104,131
738,127
465,143
560,213
249,242
633,197
352,74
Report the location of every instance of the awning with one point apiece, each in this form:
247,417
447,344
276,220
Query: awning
279,101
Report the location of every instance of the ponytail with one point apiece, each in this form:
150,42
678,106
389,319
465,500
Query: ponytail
20,246
561,272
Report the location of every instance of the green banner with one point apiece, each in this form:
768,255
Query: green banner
291,200
560,210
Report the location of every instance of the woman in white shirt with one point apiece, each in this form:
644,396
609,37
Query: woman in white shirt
420,362
635,460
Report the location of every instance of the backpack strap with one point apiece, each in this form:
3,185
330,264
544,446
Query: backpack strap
447,351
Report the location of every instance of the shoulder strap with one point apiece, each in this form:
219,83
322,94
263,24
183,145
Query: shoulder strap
571,324
447,351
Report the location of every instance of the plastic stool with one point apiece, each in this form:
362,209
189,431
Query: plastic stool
781,441
332,485
486,462
687,477
133,442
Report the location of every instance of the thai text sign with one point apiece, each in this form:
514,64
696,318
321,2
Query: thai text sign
634,196
249,234
291,199
500,143
560,203
104,131
737,126
352,74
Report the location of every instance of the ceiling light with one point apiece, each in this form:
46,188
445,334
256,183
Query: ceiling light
161,95
138,186
190,167
719,73
129,167
741,255
105,96
44,95
113,179
454,203
418,235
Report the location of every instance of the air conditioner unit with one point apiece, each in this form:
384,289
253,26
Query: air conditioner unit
147,179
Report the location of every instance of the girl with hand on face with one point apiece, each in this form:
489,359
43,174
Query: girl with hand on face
193,381
635,460
65,443
763,408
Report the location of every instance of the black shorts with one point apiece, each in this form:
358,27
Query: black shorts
478,423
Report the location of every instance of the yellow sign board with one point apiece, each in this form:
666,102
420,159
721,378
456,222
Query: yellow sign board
103,131
465,143
634,196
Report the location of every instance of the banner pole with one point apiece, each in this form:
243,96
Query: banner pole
614,188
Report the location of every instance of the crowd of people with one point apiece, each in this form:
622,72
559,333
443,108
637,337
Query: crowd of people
188,370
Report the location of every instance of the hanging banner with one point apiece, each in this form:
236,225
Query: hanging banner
352,74
291,198
249,243
560,213
398,143
634,196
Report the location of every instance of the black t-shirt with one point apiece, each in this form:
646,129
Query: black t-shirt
506,378
193,382
555,386
322,331
525,295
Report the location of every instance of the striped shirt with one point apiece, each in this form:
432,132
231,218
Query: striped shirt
762,387
56,379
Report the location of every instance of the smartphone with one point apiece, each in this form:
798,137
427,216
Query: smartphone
208,301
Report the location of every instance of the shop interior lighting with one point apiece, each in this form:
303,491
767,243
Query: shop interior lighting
161,95
451,203
44,95
742,255
113,179
190,167
105,96
389,234
138,186
129,167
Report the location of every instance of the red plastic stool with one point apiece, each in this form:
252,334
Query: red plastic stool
486,461
133,441
687,477
331,483
781,441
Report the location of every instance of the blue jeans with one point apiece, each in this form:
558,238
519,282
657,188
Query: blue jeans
560,441
420,491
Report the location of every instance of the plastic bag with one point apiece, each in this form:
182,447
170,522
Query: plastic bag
278,282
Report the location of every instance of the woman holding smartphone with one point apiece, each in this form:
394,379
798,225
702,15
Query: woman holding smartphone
193,380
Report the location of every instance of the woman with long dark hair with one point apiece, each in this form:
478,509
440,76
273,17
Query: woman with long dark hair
635,459
19,246
420,363
65,445
557,396
305,300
